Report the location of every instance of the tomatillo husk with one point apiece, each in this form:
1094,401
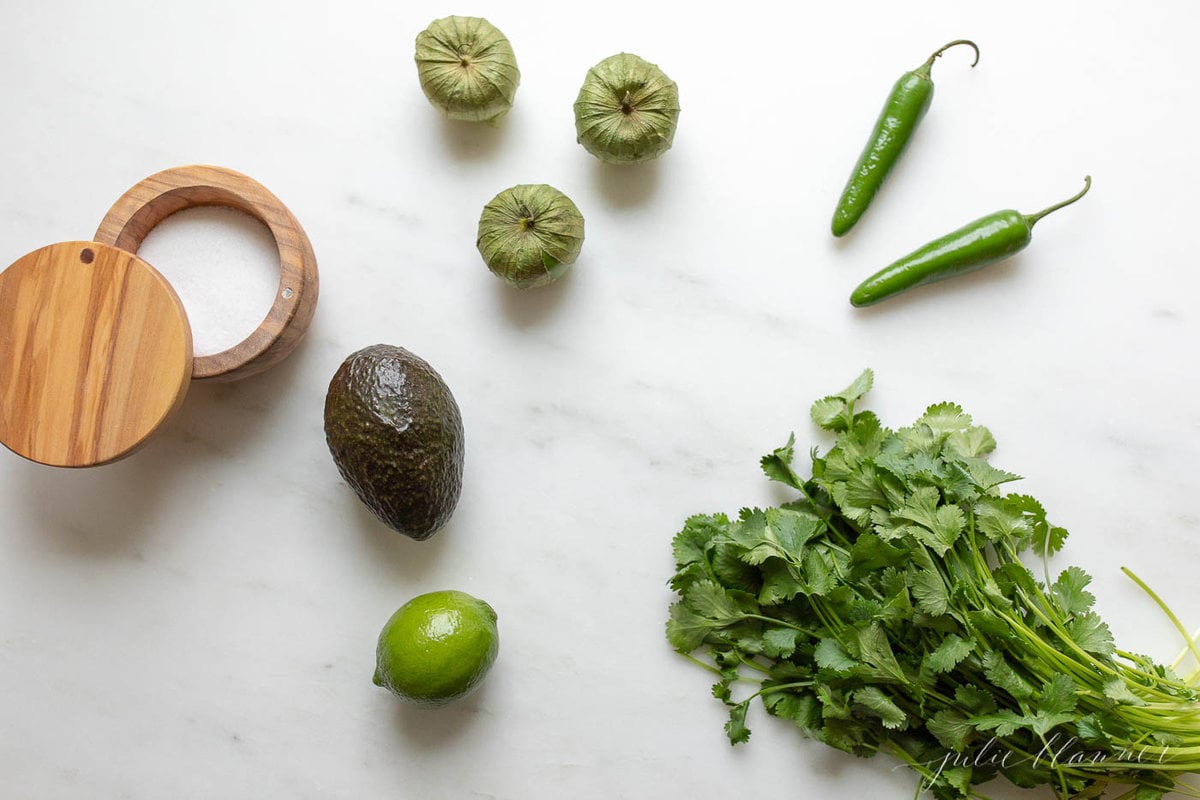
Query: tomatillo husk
530,234
467,68
627,110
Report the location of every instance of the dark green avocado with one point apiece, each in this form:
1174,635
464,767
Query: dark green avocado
396,435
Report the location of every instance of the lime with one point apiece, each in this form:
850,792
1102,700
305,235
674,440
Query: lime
437,648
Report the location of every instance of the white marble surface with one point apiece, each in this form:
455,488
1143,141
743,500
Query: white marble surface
199,620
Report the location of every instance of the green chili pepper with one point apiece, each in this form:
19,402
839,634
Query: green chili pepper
906,105
982,242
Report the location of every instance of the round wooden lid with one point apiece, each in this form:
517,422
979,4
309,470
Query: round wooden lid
95,354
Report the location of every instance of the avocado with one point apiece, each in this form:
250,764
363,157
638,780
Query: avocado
396,435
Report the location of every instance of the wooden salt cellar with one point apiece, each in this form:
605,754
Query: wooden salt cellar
95,346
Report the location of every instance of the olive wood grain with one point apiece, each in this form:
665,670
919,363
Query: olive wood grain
159,196
95,354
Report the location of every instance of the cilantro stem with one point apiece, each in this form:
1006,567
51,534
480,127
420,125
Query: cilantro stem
1191,643
1186,789
981,571
754,665
1054,654
701,663
780,687
1187,650
1152,680
783,623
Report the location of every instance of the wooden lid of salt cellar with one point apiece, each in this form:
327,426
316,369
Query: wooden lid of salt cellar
95,354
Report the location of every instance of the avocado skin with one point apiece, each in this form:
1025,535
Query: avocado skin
396,436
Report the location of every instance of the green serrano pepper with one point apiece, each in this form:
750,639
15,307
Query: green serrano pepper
985,241
906,105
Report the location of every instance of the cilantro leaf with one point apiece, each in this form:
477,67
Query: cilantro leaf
859,494
1056,705
736,728
1070,592
949,654
974,699
949,523
686,630
865,441
691,543
973,442
830,655
1002,723
729,566
834,705
951,729
691,546
709,599
921,507
818,574
985,476
830,413
791,529
1009,579
869,553
875,701
1090,730
1047,539
1050,542
706,607
930,592
940,526
779,583
801,708
778,464
957,484
1003,676
780,532
1091,633
749,529
944,419
1002,520
780,642
875,650
1118,691
836,412
861,385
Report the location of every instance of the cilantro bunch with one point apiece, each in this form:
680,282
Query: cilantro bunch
888,609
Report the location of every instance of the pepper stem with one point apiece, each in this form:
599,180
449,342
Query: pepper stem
1032,218
947,46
